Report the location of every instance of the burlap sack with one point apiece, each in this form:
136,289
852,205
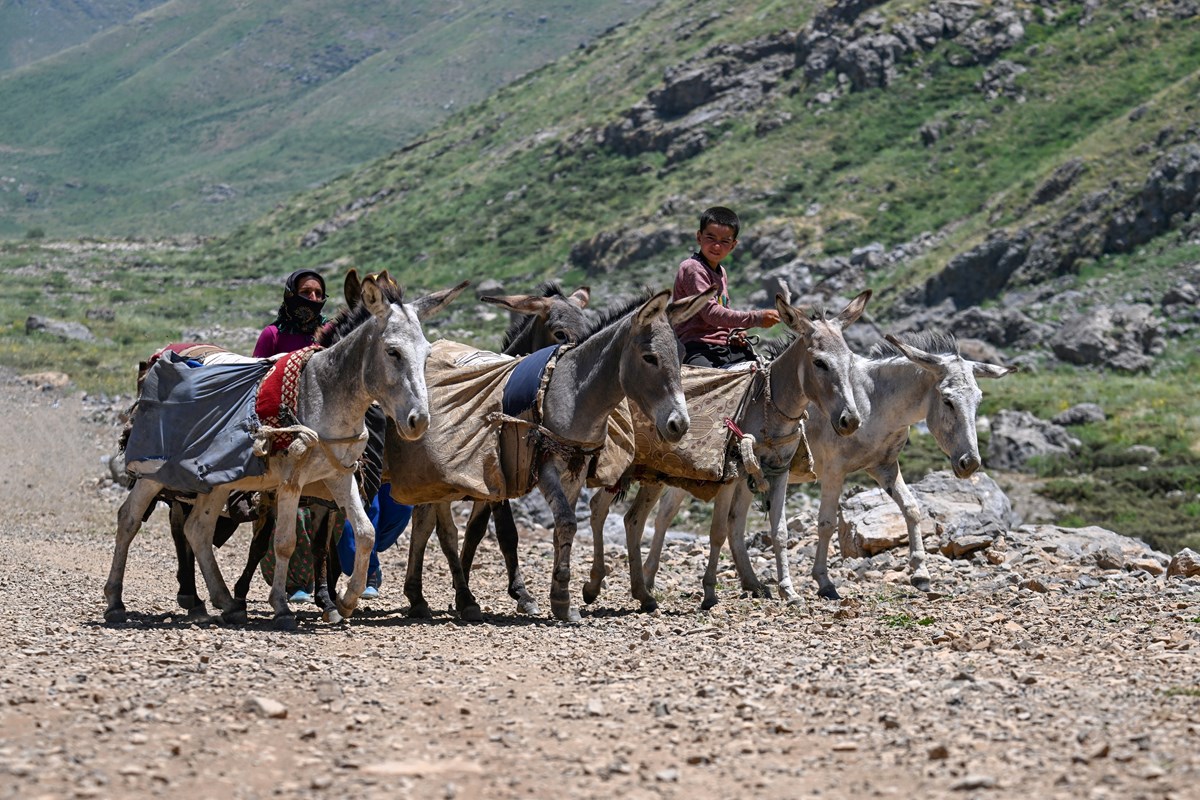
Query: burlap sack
459,455
701,456
464,455
802,469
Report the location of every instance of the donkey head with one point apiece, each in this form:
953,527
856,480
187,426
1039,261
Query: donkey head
827,369
650,362
953,401
553,318
395,376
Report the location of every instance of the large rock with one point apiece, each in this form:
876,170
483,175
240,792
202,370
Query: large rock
1018,436
74,331
1087,547
1185,564
1124,337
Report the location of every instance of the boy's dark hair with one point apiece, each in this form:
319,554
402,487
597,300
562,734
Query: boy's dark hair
720,215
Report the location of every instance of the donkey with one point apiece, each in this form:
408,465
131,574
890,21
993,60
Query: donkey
920,377
548,319
816,365
633,354
382,358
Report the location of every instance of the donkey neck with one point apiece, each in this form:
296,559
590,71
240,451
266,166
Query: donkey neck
899,391
522,342
333,396
787,380
585,386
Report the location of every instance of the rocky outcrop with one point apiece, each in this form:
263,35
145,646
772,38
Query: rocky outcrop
1018,436
1125,338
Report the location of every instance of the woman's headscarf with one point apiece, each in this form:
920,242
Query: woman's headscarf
298,314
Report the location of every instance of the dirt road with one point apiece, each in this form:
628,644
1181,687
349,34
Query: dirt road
983,689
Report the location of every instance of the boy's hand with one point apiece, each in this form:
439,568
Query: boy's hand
770,318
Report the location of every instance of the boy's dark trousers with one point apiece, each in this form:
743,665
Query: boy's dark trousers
704,354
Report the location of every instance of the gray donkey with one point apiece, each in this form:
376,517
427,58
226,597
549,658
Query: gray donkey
816,366
634,355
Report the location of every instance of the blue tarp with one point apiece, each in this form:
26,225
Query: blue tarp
199,421
520,392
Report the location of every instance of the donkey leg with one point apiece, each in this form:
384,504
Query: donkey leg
345,493
668,507
129,520
287,502
739,511
477,523
635,523
464,602
264,535
891,481
199,529
779,539
600,503
507,538
561,495
717,533
185,563
827,517
423,520
324,560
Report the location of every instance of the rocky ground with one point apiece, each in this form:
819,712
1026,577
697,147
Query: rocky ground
1084,683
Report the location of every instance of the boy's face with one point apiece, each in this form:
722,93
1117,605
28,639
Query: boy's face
716,242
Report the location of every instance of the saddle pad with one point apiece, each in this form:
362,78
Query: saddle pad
275,404
521,389
713,395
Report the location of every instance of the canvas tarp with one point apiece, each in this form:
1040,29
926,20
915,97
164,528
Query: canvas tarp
466,452
194,425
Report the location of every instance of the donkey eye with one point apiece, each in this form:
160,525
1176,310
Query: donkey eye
821,363
560,336
650,359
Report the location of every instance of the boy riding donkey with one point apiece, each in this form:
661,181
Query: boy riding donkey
716,336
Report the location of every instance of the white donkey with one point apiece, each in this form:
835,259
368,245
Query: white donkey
381,358
922,377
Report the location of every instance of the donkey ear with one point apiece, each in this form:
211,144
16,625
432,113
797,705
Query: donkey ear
983,370
652,308
581,296
924,360
434,302
352,288
853,311
527,304
688,307
793,316
373,298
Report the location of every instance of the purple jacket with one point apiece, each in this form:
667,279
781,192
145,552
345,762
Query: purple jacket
713,323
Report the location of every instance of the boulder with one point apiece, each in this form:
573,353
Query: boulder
1123,337
1018,436
1079,414
74,331
1185,564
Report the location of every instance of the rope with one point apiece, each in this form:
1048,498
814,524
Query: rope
564,447
306,437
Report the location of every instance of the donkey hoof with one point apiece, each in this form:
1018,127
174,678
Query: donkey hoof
472,613
565,613
235,616
331,616
530,607
921,584
420,611
198,612
708,603
829,594
285,622
115,616
188,601
649,605
590,594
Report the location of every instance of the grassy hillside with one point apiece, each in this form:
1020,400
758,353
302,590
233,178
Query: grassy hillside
949,148
34,29
200,114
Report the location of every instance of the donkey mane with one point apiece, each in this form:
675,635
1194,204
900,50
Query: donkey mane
931,341
518,326
347,319
615,313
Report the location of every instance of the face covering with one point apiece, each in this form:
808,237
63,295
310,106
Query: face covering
298,314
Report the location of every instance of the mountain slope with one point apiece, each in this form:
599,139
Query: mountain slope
198,114
34,29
